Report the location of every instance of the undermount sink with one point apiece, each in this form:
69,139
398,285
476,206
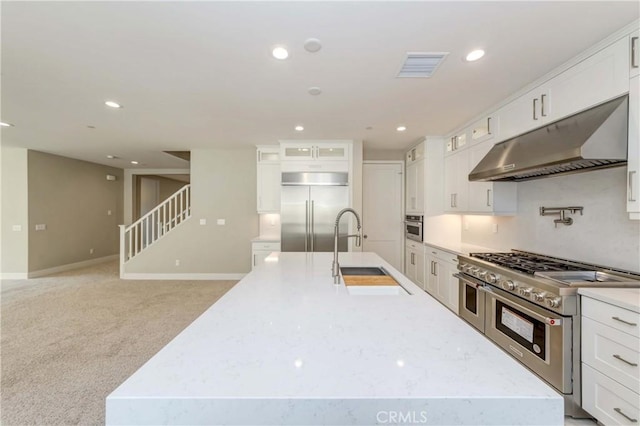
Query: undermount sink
370,280
362,270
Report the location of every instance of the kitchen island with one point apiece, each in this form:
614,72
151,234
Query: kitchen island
287,346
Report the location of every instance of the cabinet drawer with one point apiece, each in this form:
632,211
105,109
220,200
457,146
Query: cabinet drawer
265,246
607,400
415,246
611,352
442,254
619,318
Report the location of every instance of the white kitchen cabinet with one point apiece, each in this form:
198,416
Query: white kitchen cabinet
440,266
485,129
633,147
569,92
498,198
456,142
415,154
424,178
634,54
414,199
456,182
600,77
414,262
268,179
310,151
610,362
260,250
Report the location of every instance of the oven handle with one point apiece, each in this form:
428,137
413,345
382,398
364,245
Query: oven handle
477,284
513,302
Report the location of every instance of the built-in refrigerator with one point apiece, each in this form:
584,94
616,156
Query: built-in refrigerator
310,202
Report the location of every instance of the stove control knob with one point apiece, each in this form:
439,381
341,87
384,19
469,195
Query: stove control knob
491,278
554,302
508,285
539,297
483,274
474,270
462,266
526,292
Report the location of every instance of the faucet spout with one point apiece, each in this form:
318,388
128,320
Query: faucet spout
335,267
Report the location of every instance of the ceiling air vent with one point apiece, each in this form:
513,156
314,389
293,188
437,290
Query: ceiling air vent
421,64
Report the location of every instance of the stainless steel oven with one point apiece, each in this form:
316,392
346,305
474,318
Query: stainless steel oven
538,338
471,300
413,228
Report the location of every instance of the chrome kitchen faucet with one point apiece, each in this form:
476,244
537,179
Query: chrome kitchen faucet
336,266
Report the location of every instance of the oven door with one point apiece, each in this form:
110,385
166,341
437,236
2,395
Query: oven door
537,337
413,230
471,300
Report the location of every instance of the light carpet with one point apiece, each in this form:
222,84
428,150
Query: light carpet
68,340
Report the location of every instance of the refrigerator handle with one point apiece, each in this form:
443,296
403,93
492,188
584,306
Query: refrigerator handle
313,227
306,225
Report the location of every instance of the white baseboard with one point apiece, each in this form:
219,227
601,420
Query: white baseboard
183,276
70,266
14,276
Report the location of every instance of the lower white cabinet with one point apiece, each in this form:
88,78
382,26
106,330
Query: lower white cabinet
414,262
260,250
610,362
440,266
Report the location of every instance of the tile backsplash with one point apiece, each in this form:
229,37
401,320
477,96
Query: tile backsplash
603,235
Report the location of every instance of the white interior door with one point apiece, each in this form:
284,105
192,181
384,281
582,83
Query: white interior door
382,220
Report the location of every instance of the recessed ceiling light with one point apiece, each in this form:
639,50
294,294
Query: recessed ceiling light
113,104
299,128
3,124
401,128
475,55
312,45
315,91
134,162
280,52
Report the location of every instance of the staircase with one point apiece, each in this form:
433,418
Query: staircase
144,232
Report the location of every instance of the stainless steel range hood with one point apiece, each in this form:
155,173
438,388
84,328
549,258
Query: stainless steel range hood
593,139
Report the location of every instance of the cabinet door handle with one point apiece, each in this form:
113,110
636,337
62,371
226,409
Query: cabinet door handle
254,260
451,201
634,52
633,364
488,198
455,200
619,411
543,113
489,125
630,182
435,268
623,321
535,107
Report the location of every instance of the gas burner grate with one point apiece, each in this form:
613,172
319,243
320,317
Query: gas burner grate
525,262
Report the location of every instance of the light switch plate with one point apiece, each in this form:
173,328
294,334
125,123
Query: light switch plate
41,227
17,227
221,222
203,221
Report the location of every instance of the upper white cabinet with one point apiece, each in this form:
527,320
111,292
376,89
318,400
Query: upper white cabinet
633,154
634,54
423,174
268,182
596,79
490,197
485,129
414,199
456,142
456,182
306,151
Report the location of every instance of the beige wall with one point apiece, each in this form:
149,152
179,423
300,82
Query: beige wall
166,188
15,212
223,185
72,198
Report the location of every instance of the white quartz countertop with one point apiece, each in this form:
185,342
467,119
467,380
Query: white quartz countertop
627,298
265,239
287,346
457,247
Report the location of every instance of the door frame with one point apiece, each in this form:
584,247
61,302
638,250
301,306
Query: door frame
402,197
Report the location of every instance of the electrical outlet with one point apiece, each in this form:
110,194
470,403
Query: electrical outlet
203,221
495,228
108,212
177,262
90,251
41,227
221,222
16,227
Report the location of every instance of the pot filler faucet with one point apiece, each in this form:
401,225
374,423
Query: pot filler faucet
336,266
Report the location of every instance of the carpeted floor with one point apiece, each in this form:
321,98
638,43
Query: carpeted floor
68,340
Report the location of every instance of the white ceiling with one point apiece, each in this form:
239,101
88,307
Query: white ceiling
199,74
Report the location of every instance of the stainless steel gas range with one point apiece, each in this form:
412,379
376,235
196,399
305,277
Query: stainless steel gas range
527,304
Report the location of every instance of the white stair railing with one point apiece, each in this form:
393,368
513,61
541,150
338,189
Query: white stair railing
154,225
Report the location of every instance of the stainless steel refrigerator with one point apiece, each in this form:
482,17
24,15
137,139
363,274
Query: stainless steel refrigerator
310,202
